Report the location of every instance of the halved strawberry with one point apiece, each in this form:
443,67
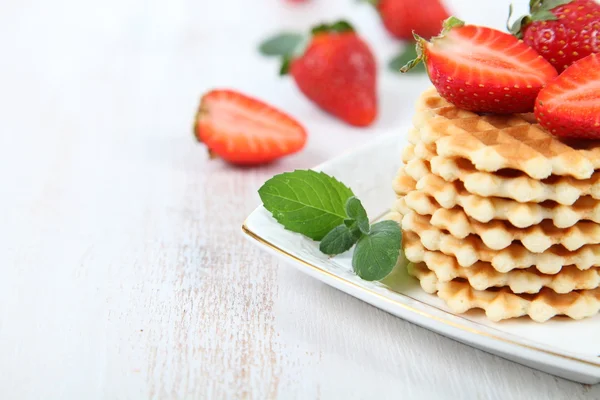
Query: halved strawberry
570,105
482,69
244,130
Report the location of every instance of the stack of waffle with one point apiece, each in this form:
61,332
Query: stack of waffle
498,214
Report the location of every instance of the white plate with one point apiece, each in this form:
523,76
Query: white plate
561,346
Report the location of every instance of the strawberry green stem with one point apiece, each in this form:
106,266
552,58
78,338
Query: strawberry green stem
285,66
374,3
539,10
337,27
448,25
419,47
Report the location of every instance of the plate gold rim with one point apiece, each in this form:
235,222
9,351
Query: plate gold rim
247,231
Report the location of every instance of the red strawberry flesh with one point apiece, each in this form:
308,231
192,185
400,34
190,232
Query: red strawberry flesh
484,70
244,130
570,105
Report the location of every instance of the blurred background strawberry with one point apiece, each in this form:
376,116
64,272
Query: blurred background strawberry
333,67
402,17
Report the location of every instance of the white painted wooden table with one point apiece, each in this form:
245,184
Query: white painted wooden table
124,272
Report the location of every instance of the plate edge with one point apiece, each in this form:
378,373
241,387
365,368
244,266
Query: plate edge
247,231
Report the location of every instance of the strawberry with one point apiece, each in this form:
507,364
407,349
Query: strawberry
336,70
483,70
562,31
569,106
402,17
244,130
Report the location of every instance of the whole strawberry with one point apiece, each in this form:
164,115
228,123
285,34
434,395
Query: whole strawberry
402,17
335,69
562,31
482,69
569,106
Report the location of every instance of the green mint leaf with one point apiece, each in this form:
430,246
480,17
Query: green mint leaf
308,202
339,239
356,211
408,55
281,45
376,254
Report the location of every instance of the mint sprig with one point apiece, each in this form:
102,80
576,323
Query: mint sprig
344,236
320,207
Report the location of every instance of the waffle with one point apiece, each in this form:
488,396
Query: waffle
482,275
514,185
416,238
495,142
498,235
430,192
500,304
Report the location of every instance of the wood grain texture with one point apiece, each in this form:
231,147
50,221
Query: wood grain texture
125,275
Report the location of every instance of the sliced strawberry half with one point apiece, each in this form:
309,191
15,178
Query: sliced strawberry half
569,106
244,130
482,69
